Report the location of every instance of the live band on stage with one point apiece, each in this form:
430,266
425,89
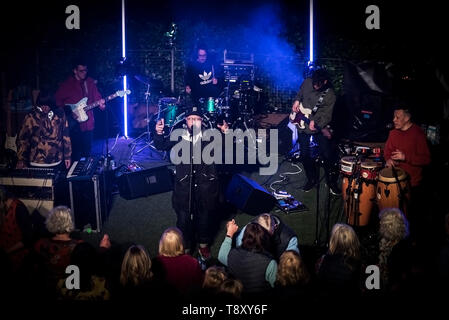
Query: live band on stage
225,94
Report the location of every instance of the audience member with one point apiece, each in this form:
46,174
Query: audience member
338,271
393,228
250,263
92,286
16,230
282,236
53,254
177,269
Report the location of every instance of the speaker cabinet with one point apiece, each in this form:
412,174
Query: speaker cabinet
145,182
89,203
248,196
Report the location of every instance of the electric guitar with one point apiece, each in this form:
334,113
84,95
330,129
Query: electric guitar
302,117
81,107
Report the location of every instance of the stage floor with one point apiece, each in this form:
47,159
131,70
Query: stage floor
143,220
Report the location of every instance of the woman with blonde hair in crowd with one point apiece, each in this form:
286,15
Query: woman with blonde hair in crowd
394,245
338,270
136,274
291,270
176,268
293,279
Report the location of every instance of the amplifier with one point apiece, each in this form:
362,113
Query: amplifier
89,201
145,182
238,73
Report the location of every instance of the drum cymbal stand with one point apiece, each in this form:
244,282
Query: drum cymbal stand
146,135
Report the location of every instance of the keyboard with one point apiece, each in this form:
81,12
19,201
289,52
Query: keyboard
83,169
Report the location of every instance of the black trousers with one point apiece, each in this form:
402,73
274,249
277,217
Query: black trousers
326,152
195,227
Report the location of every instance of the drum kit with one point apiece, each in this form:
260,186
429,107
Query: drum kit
173,111
367,185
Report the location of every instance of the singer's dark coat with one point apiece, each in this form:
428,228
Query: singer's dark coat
205,180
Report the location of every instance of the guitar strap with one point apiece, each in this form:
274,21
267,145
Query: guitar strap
320,101
84,87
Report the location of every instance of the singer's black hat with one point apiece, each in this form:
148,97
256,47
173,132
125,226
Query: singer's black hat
194,111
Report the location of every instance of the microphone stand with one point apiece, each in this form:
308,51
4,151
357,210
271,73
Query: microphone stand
317,210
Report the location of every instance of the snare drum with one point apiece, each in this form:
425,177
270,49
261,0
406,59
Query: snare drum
389,189
168,109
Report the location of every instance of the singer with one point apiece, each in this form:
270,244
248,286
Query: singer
195,193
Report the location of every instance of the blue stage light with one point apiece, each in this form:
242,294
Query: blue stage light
125,98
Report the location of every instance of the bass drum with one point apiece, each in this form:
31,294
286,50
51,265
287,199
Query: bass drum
393,190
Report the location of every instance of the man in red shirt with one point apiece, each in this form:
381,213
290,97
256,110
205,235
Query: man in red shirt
71,91
407,148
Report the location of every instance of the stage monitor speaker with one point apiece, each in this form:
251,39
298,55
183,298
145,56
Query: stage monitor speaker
145,182
248,196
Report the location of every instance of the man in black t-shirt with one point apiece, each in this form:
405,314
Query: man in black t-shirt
201,78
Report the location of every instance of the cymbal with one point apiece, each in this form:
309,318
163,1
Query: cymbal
153,83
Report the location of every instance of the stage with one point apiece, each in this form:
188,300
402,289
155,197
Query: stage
142,220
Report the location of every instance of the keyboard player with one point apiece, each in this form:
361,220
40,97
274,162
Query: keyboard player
44,139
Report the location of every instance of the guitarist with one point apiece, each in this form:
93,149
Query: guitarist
72,90
315,102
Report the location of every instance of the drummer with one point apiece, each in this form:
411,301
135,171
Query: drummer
202,77
407,148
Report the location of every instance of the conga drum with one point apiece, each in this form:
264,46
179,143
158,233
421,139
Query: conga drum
347,169
364,193
393,191
359,189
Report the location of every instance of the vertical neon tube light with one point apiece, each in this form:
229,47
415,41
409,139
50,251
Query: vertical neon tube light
125,97
311,33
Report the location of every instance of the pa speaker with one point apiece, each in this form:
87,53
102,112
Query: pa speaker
248,196
145,182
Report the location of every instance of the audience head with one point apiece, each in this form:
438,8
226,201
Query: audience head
214,277
84,256
291,269
136,267
232,288
393,225
255,238
344,241
171,243
267,221
59,221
